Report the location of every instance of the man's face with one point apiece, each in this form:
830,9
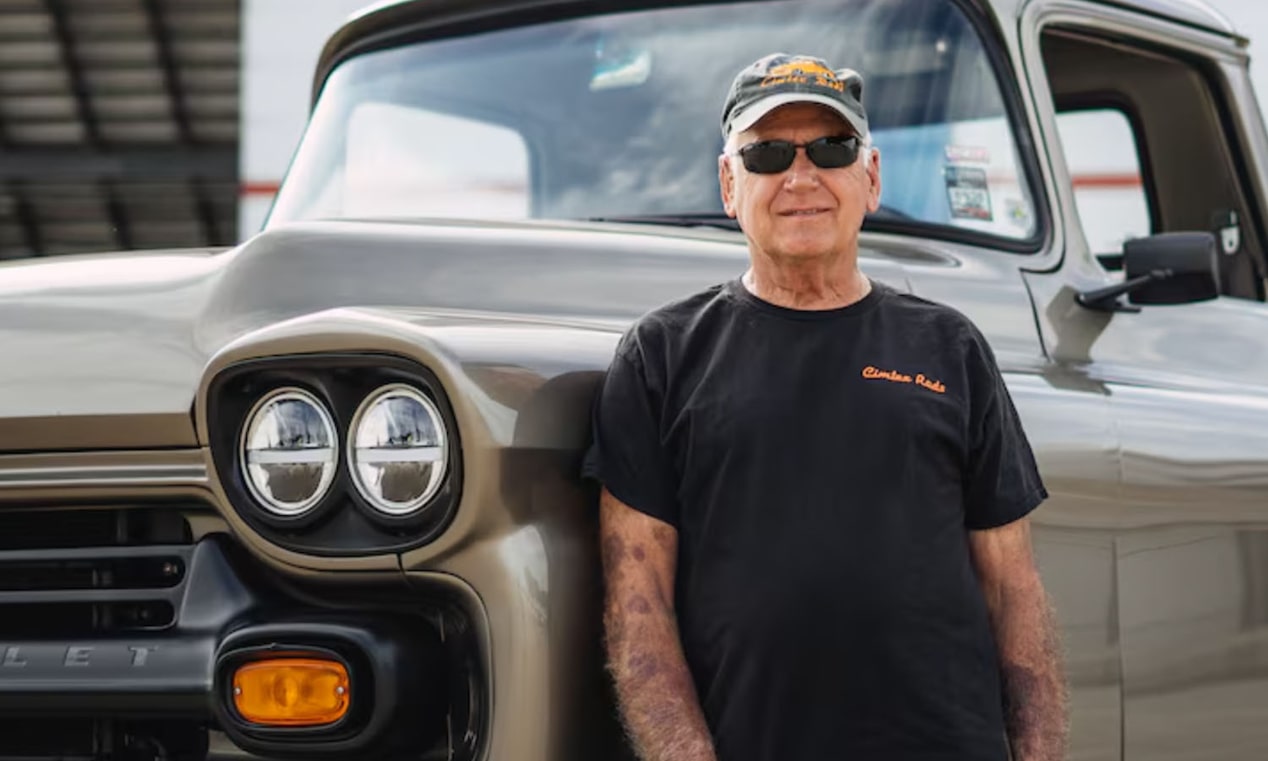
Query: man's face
803,212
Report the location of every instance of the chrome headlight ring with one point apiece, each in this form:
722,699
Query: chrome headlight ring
398,450
288,452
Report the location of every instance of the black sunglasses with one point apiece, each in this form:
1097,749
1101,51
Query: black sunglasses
775,156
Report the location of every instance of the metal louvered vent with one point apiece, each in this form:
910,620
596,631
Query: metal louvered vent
118,124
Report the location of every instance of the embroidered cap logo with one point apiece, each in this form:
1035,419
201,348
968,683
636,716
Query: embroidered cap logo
803,73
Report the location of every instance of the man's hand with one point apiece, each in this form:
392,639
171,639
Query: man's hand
653,685
1026,635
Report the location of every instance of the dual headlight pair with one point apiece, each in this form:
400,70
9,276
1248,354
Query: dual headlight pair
397,451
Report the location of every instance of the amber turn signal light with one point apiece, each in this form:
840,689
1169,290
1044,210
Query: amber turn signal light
292,692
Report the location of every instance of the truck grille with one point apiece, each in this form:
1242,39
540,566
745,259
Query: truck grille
75,573
68,529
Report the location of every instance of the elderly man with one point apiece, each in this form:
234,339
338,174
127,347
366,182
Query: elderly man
813,518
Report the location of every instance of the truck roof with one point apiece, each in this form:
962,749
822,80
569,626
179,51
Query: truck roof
1192,12
391,15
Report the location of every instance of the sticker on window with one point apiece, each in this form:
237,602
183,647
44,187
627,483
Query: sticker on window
613,70
967,193
970,154
1017,211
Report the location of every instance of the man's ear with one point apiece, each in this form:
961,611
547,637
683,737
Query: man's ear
726,183
874,177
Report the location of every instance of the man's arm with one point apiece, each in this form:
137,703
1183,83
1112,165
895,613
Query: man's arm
1026,635
654,688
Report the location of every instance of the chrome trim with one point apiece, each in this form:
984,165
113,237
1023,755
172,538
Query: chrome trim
375,455
178,468
104,475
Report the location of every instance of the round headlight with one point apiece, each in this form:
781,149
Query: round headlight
289,451
398,450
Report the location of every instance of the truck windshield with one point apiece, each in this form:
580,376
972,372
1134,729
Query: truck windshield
617,117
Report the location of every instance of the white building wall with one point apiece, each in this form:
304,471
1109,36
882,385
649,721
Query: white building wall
281,40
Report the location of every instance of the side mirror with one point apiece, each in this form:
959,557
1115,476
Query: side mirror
1192,258
1169,268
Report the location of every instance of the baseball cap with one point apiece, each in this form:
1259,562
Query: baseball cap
781,78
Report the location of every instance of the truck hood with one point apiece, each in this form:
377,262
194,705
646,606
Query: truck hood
107,351
86,340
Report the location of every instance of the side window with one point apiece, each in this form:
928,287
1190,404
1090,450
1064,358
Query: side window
1104,163
393,169
1180,134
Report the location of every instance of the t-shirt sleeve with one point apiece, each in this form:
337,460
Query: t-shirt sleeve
627,455
1002,482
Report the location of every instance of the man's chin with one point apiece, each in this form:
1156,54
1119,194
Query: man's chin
807,251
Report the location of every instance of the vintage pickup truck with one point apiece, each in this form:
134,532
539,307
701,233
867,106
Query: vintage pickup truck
318,496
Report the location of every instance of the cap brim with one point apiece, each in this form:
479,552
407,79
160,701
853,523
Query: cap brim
751,115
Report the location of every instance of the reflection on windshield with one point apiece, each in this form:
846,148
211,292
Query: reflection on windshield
616,116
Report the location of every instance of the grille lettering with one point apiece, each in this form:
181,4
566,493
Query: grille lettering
74,656
13,658
139,654
77,655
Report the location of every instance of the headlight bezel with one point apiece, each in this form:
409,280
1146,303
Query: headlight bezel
344,524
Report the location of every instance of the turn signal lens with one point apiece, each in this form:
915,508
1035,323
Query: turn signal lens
292,692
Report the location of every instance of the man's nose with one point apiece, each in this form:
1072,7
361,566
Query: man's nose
803,171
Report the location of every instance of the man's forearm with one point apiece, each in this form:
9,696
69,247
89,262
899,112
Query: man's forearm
658,701
657,697
1031,672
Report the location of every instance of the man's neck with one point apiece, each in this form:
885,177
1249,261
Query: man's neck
807,287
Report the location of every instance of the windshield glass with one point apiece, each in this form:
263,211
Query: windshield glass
617,116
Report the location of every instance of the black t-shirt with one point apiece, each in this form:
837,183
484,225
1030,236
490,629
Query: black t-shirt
822,468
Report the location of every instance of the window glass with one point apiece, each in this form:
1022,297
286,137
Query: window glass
617,115
394,170
1100,150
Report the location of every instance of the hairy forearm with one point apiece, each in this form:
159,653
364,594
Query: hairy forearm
657,697
1032,676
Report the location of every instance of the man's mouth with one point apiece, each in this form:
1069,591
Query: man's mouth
802,212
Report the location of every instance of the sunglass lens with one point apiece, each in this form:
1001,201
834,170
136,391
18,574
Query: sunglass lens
768,156
833,152
774,156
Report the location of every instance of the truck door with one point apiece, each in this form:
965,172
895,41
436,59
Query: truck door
1150,130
